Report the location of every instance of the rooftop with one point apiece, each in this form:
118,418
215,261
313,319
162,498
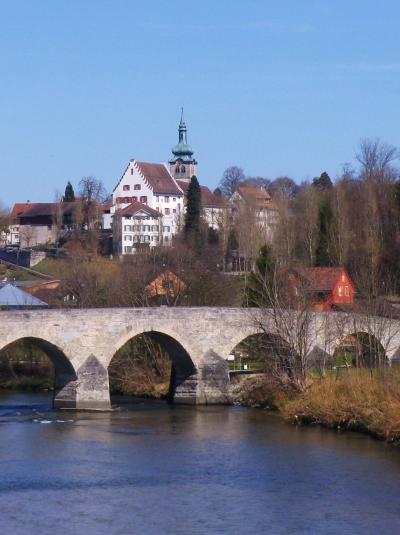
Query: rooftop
158,178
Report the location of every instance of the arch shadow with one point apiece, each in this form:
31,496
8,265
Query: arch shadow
64,372
182,366
360,350
264,352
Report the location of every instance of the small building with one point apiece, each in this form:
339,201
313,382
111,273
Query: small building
166,288
323,288
14,298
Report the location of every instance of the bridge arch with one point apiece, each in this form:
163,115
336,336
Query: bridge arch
64,377
183,369
263,351
360,349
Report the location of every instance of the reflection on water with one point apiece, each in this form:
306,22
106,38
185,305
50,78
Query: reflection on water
151,468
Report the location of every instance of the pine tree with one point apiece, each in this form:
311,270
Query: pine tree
261,280
193,207
69,195
325,221
323,182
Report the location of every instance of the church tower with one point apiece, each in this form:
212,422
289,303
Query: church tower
182,164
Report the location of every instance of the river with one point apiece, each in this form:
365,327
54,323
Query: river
154,469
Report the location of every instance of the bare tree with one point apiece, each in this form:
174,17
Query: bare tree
5,222
231,179
376,160
284,187
92,194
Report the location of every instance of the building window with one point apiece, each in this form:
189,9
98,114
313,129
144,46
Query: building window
143,199
174,210
146,238
347,291
166,228
166,238
126,200
128,237
127,228
137,187
183,169
127,249
126,187
167,211
340,291
166,199
174,199
177,168
131,170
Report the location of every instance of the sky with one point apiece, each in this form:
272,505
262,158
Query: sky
277,88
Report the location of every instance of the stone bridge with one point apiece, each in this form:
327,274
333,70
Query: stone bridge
82,342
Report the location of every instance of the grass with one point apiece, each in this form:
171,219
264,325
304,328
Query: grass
357,399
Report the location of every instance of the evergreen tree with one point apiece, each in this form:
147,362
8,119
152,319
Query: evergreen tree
323,182
69,195
261,280
325,221
397,193
193,207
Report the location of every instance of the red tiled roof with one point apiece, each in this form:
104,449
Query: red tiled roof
38,209
208,199
321,279
136,207
255,197
159,178
19,209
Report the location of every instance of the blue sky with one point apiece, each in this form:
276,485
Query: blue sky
277,88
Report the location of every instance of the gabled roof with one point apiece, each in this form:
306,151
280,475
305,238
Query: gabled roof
166,283
321,279
38,209
208,199
136,207
255,197
11,296
158,178
19,209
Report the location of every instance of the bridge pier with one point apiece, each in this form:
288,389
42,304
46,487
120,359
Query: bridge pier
208,384
90,390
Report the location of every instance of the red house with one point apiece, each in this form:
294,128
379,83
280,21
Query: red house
323,287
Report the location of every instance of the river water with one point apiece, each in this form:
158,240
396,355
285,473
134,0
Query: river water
154,469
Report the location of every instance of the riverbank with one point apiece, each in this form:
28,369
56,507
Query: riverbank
366,401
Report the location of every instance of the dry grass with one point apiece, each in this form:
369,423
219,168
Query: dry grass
362,400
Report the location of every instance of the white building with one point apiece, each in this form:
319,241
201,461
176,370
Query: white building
151,185
137,226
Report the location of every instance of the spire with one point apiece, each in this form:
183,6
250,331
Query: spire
182,130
